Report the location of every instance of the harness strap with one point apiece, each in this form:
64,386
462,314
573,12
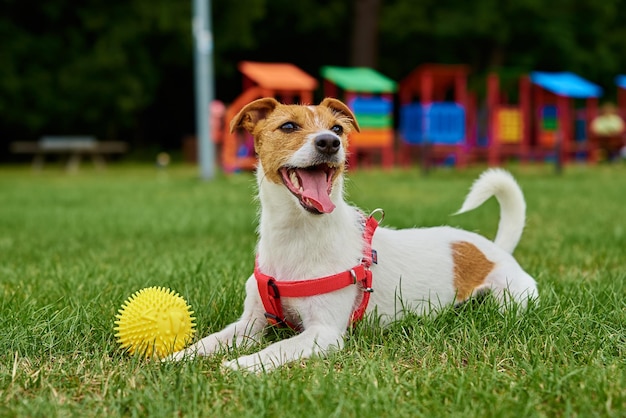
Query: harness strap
272,290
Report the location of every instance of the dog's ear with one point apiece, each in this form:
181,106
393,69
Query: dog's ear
338,106
252,113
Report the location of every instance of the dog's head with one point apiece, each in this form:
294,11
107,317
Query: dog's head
300,147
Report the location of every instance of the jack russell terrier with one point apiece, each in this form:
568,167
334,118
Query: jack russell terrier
321,263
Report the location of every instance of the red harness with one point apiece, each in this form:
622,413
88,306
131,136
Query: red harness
272,290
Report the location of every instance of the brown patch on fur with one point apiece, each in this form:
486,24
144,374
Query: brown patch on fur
471,268
264,117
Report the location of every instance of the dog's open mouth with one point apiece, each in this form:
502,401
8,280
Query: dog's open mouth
311,185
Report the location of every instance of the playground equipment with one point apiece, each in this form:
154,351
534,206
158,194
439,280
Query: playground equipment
369,95
546,115
437,122
508,125
282,80
554,95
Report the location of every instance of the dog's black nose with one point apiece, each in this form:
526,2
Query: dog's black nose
327,144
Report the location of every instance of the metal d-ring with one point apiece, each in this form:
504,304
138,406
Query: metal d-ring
379,212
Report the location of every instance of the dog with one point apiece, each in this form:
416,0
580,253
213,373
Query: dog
321,263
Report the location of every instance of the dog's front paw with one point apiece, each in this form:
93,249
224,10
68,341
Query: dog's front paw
252,364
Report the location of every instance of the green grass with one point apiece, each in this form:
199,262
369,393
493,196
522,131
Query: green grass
74,247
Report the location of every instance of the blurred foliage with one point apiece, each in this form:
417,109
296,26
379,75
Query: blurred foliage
124,70
91,65
583,36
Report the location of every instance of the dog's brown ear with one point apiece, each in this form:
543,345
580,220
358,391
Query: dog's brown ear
340,107
252,113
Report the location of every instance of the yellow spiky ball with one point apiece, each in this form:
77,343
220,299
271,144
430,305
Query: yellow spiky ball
154,322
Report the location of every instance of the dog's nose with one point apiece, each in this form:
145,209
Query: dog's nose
327,144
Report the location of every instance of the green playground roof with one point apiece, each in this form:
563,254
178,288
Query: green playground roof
359,79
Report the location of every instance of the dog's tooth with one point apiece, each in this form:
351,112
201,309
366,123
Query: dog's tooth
294,180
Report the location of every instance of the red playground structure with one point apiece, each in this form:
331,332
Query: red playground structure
434,113
508,125
282,80
554,97
369,95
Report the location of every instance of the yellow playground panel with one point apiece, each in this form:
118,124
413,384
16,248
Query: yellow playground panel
510,125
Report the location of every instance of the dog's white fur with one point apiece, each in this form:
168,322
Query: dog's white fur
415,270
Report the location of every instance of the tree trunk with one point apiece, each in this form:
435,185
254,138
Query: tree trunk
365,33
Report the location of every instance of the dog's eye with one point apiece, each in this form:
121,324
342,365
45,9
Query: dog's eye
338,129
288,127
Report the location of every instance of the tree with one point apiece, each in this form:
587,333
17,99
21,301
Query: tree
103,68
582,36
365,34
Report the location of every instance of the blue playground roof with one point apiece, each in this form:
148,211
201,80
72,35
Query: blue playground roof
566,84
620,80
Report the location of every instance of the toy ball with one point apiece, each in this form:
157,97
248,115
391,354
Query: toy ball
154,322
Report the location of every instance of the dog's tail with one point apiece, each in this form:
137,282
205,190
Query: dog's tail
501,184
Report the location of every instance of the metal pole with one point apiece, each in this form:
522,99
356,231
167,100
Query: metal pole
558,150
203,57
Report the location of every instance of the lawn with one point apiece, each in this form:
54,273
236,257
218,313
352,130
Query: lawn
74,247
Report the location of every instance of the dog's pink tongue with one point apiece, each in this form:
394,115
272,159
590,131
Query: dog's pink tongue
315,188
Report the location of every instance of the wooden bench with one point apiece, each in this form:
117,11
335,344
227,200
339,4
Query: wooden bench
75,147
